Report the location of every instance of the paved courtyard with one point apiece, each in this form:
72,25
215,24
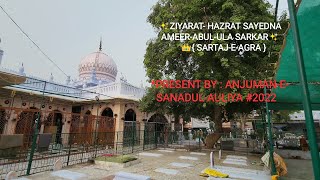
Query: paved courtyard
166,164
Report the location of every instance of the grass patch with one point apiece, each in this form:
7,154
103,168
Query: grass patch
117,159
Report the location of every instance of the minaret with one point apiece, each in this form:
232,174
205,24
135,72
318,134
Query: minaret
68,80
1,54
51,78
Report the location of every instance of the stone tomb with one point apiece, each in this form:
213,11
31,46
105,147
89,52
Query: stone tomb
130,176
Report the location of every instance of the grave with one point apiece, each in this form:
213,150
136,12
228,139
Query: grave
163,150
122,161
197,153
150,154
236,160
167,171
69,175
183,165
130,176
189,158
236,157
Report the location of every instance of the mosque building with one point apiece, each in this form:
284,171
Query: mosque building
97,101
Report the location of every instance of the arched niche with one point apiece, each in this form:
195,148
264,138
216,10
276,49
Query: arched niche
130,115
107,112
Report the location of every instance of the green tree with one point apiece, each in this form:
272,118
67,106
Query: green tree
165,60
282,116
239,111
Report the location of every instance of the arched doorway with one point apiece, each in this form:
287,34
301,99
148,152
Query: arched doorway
158,122
26,124
53,125
131,129
107,112
87,123
106,128
86,126
157,130
130,115
81,128
106,121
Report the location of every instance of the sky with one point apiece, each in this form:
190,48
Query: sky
69,30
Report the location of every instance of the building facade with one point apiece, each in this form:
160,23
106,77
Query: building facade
75,109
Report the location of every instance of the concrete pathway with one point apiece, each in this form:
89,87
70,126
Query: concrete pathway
156,164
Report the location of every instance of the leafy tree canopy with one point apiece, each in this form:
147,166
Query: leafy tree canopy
165,60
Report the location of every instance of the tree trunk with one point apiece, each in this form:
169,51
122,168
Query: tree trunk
211,139
217,118
243,120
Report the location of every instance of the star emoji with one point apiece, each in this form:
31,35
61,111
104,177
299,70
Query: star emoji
163,25
272,36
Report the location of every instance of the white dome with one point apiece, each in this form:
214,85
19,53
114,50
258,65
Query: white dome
105,67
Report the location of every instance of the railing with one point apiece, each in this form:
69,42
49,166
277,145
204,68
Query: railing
128,89
75,148
50,148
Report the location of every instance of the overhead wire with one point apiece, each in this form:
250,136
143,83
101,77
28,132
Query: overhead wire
34,43
8,15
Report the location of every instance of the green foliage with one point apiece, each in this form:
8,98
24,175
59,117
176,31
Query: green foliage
165,60
282,116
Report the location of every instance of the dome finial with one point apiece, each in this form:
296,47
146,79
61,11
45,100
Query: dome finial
100,46
21,69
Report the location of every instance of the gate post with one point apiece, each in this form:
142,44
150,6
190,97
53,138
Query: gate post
155,139
273,167
132,135
34,143
144,137
35,135
305,91
69,152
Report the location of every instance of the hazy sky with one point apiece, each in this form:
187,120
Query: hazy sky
69,30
